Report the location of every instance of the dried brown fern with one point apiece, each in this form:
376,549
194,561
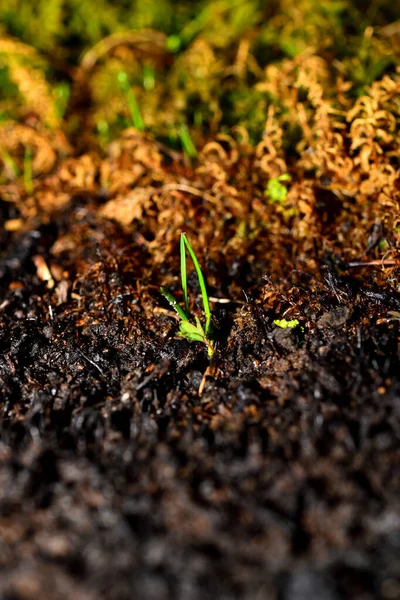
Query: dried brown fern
26,70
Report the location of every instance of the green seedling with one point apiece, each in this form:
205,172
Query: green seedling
133,106
276,192
284,324
193,332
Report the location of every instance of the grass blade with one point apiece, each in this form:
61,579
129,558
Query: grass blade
207,311
133,106
186,142
184,273
28,171
174,304
191,332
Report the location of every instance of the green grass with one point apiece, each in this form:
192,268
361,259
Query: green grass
28,183
193,332
186,141
136,117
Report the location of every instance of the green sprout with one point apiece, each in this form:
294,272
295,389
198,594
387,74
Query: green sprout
276,192
284,324
188,330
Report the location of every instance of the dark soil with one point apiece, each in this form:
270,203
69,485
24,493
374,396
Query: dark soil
119,481
132,466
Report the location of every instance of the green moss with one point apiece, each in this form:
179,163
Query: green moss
284,324
276,192
207,68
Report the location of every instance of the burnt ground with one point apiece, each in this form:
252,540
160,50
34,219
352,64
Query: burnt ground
119,480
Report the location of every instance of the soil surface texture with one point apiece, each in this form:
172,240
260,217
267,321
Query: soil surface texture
132,466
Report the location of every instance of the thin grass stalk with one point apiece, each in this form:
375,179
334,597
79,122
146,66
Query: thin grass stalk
184,272
202,283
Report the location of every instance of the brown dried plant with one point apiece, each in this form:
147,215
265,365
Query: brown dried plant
26,69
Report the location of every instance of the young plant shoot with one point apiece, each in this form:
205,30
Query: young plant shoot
276,192
194,332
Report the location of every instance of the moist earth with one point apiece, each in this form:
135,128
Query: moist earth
119,480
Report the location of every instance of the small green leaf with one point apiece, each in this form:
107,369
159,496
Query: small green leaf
276,192
191,332
284,324
199,326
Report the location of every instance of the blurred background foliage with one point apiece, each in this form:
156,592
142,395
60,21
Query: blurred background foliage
207,64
